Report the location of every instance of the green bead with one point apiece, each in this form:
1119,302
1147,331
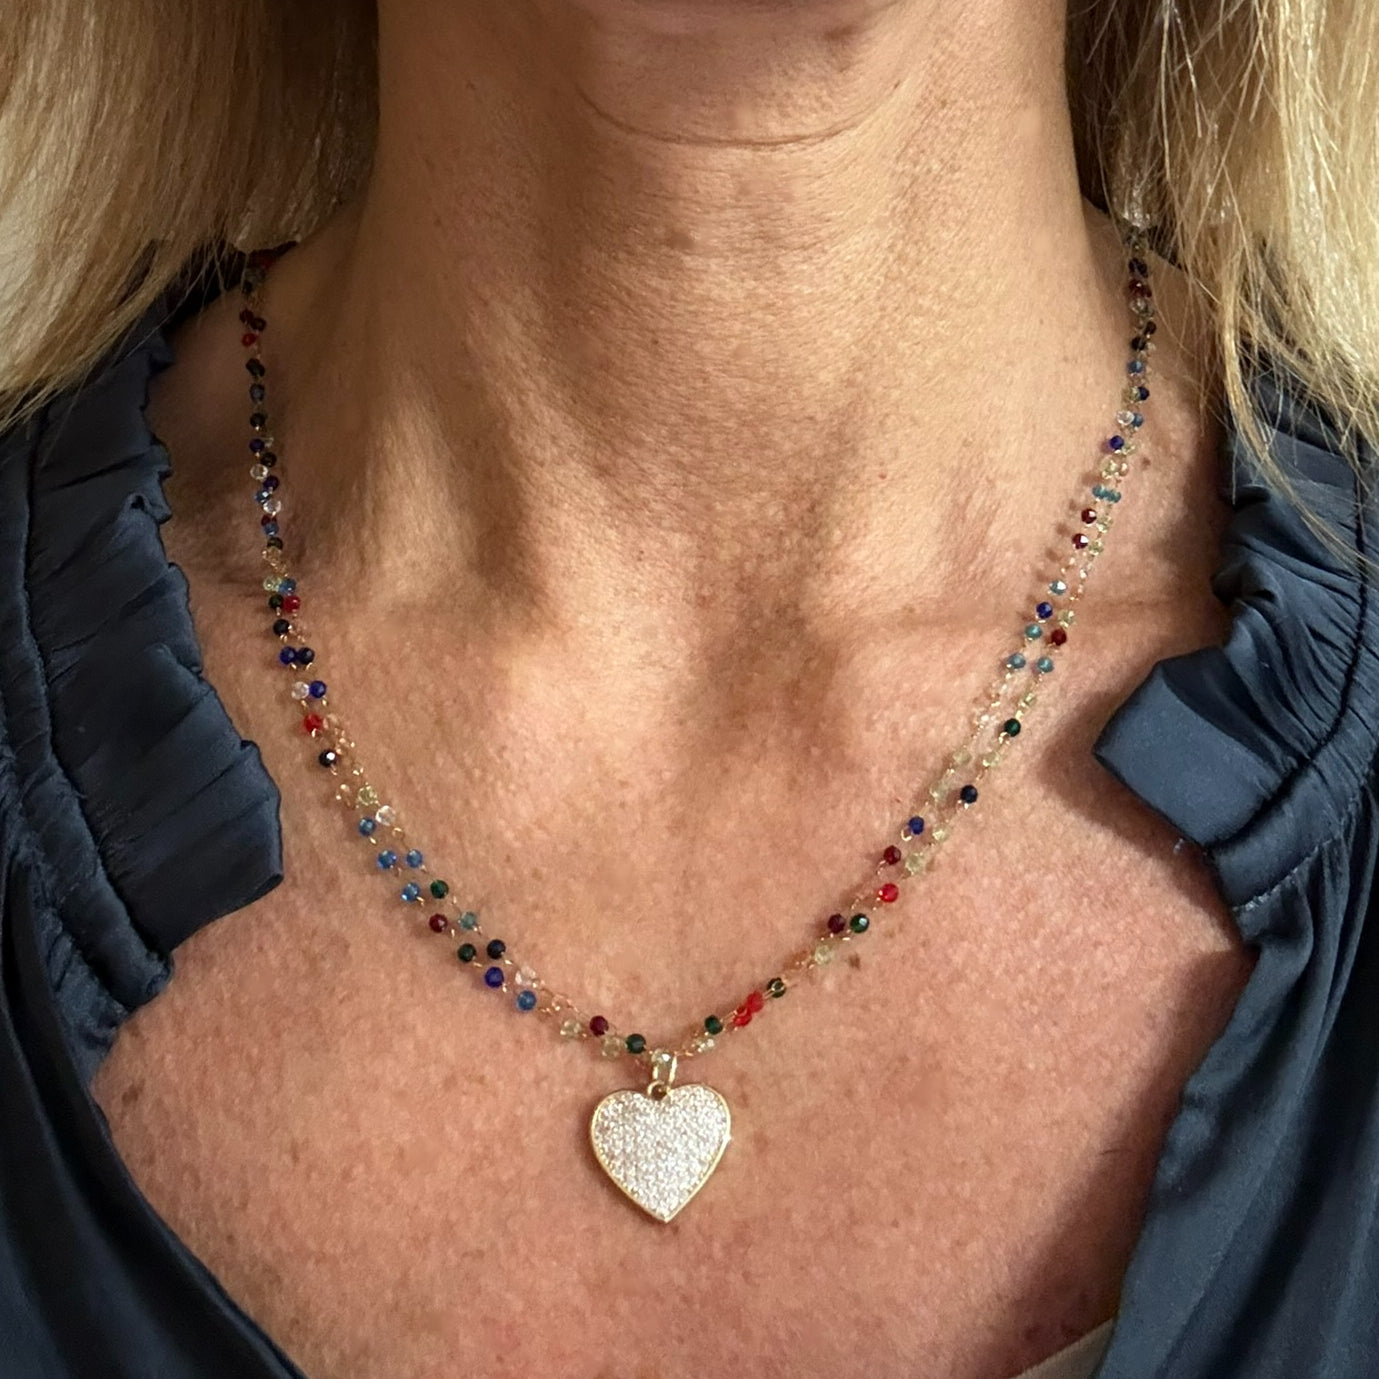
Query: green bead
635,1043
713,1025
466,952
439,889
858,924
1011,727
776,986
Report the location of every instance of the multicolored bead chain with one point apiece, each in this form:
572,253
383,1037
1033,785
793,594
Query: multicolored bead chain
1040,646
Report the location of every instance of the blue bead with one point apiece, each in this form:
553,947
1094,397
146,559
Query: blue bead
1034,631
469,920
1015,661
1136,366
1137,419
526,1000
387,859
257,392
414,858
1043,665
270,529
493,976
263,495
317,689
287,586
366,827
968,794
411,891
916,825
287,655
304,656
1043,610
1116,442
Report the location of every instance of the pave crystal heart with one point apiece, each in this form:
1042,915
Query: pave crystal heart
661,1150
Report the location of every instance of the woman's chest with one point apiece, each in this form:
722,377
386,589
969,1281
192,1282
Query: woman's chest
939,1156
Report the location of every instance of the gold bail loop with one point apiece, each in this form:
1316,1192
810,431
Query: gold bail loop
663,1066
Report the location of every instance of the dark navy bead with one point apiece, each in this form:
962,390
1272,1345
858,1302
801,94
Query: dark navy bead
414,859
387,859
305,655
258,445
329,757
1143,392
281,627
496,948
1136,366
1043,610
366,827
411,891
493,977
1116,442
916,825
271,481
968,794
287,656
257,392
268,459
270,529
262,496
526,1000
317,689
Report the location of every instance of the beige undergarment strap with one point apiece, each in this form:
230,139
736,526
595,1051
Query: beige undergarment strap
1077,1361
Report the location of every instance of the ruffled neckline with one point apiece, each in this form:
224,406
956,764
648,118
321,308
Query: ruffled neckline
1253,749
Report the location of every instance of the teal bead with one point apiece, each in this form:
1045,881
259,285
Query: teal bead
469,920
1044,665
713,1025
1058,587
1033,631
466,952
635,1043
1015,661
1011,727
776,986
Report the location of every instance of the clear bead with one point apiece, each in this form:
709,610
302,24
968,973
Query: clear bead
368,797
1067,617
386,816
1126,418
570,1029
272,506
524,976
258,471
823,952
916,862
940,835
301,690
611,1046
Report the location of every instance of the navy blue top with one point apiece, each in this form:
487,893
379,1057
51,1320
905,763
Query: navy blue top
131,813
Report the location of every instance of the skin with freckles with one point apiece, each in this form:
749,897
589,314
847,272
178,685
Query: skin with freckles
673,432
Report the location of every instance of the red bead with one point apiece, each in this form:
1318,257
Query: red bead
891,855
247,316
754,1002
247,338
836,924
1089,515
889,892
439,924
1081,541
312,722
291,602
598,1026
1058,636
742,1016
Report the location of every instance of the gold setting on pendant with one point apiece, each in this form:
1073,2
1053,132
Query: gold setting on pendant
662,1145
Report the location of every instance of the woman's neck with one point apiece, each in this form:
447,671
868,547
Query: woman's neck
770,302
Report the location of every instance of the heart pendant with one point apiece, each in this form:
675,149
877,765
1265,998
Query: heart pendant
661,1145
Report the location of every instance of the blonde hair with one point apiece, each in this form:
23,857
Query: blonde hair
138,133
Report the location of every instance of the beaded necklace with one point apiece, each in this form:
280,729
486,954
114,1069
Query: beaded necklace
660,1145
